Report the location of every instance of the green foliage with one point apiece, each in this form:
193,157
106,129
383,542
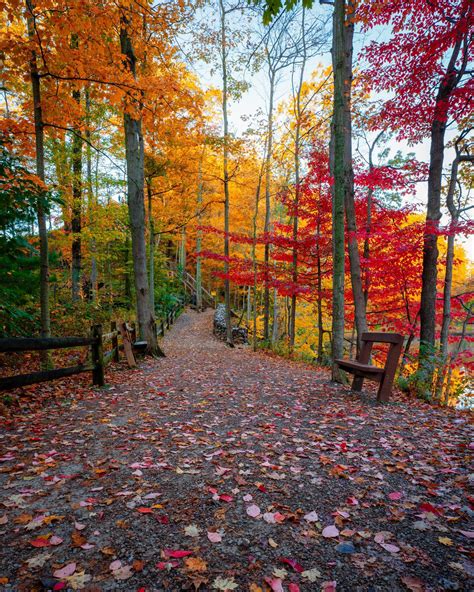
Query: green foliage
20,193
273,7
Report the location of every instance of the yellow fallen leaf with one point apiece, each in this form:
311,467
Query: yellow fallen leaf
49,519
445,541
195,564
272,543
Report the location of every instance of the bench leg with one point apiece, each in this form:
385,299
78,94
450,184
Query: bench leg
388,376
385,388
357,383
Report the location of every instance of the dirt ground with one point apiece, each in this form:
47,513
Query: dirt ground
224,469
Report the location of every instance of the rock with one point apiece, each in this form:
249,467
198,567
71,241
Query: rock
239,334
346,548
449,584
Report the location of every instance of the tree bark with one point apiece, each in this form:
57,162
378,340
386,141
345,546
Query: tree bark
41,215
337,154
296,202
228,321
76,217
134,153
433,212
200,190
266,228
351,222
151,247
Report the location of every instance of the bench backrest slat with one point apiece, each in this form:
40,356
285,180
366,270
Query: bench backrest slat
382,337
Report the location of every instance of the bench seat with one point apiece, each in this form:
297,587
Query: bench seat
356,367
361,368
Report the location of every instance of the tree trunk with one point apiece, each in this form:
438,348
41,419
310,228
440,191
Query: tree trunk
39,142
296,203
228,321
337,154
151,247
200,189
275,323
433,213
134,154
351,222
320,298
266,228
254,256
90,196
448,277
76,217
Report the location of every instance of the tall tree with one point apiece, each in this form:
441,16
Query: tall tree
224,49
342,178
39,143
435,40
134,153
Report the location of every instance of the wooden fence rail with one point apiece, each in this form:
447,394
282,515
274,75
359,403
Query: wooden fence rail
97,361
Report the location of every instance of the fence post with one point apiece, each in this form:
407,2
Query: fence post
115,343
97,349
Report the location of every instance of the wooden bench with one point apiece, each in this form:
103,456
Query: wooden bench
361,368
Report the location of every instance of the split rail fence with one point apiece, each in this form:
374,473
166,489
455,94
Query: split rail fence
98,359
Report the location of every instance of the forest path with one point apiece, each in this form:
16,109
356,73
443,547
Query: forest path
219,469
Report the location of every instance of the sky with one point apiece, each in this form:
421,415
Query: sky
244,110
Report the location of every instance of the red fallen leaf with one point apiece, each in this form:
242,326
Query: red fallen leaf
141,590
40,542
226,498
145,510
261,488
395,495
292,563
293,587
275,584
212,490
329,586
427,507
167,564
176,554
59,586
163,519
353,501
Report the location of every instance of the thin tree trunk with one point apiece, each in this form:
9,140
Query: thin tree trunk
337,158
433,213
151,247
76,217
39,143
455,213
134,154
448,278
200,190
275,323
228,321
294,263
90,196
320,297
351,222
266,228
254,256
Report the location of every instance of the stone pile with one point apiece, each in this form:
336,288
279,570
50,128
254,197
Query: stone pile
239,334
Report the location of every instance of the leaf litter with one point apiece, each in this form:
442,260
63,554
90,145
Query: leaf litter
214,469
